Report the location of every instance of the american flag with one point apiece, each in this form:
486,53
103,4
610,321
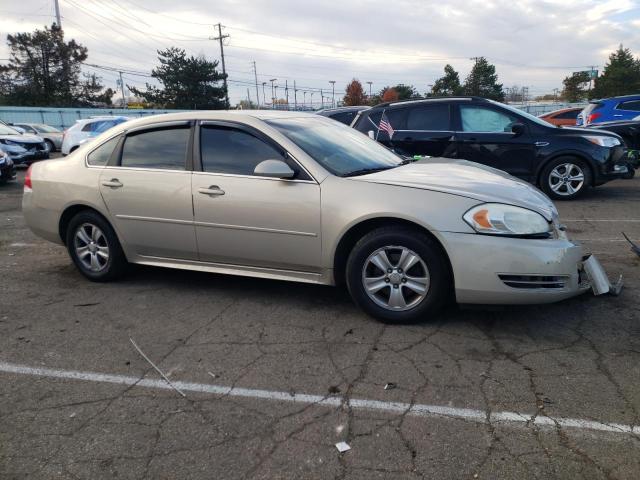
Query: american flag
385,125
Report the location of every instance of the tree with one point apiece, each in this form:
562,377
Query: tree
354,94
621,75
482,81
44,70
389,94
448,85
575,87
406,92
186,82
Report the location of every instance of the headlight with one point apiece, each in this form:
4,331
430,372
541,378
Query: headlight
9,142
500,219
602,141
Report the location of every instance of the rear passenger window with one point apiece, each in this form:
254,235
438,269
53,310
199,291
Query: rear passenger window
634,106
397,118
229,150
101,155
429,117
570,115
344,117
164,148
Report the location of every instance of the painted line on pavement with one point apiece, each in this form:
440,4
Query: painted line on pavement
611,220
419,410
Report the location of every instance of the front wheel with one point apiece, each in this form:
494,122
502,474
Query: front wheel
50,146
398,275
565,178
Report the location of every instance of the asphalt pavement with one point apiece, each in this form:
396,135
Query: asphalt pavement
274,374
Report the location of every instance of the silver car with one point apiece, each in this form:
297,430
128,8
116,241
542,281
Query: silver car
294,196
51,135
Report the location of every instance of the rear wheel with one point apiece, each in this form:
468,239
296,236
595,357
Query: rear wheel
398,275
94,247
565,178
50,146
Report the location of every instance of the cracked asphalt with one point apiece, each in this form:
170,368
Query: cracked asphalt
579,359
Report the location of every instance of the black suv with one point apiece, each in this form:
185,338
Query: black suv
561,161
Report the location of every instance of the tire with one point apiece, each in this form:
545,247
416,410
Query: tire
93,264
556,176
430,274
50,146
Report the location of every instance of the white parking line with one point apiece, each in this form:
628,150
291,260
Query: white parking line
419,410
611,220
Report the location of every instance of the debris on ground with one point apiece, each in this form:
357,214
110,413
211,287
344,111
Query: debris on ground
333,389
156,368
390,386
213,375
634,248
348,332
343,447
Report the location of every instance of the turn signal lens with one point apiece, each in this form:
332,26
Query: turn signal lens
500,219
27,179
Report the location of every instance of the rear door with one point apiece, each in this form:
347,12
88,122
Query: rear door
147,189
428,131
484,135
627,110
248,220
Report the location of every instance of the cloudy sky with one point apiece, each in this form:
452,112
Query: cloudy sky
533,43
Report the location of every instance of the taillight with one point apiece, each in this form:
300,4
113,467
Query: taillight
593,117
27,179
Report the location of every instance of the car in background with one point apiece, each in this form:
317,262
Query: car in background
22,149
52,136
564,117
298,197
20,130
342,114
629,131
86,129
609,110
7,168
563,162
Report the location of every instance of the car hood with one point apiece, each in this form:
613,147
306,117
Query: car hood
467,179
25,138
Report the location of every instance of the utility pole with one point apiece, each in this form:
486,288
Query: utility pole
286,91
124,104
370,83
304,101
224,70
333,93
295,96
272,95
321,99
275,101
58,21
255,75
555,95
264,97
248,99
311,103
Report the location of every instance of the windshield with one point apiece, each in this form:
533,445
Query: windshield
524,114
6,130
340,149
46,129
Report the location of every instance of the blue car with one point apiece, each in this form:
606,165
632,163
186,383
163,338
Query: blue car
610,110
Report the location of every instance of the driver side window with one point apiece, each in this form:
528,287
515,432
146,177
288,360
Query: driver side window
481,119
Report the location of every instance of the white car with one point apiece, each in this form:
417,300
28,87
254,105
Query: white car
87,128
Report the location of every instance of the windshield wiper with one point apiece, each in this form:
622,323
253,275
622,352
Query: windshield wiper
365,171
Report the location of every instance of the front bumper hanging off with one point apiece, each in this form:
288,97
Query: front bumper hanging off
598,279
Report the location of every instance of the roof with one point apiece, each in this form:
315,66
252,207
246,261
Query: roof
429,99
352,108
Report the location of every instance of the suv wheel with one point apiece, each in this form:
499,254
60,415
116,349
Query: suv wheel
398,275
94,247
565,178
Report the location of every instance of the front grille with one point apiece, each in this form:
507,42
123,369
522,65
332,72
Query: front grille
30,146
535,282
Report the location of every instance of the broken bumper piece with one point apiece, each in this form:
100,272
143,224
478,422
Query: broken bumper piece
598,278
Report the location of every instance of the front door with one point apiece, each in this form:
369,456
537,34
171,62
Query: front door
148,193
248,220
484,136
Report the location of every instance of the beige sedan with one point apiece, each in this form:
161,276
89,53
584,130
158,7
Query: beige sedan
292,196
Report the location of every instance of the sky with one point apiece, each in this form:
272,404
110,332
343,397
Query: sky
533,43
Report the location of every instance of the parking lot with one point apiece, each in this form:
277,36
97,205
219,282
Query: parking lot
275,374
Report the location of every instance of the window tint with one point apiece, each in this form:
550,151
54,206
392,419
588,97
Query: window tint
229,150
100,126
570,115
164,148
101,155
344,117
396,117
634,106
481,119
429,117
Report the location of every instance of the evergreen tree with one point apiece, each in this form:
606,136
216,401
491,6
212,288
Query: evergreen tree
482,81
621,76
575,87
448,85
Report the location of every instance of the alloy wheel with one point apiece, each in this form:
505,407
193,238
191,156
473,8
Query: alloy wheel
91,247
566,179
395,278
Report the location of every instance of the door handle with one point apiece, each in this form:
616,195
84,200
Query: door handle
213,190
113,183
617,115
541,144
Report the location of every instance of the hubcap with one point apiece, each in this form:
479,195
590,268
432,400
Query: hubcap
395,278
566,179
91,247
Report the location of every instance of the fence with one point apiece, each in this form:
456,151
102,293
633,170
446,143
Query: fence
542,108
65,117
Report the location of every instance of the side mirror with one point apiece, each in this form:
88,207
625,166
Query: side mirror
371,134
274,169
518,128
